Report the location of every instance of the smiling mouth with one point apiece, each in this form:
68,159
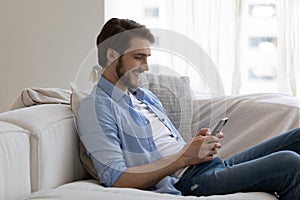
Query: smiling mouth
137,72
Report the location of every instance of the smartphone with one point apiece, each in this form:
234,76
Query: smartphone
219,126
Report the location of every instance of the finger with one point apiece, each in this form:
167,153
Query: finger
203,132
205,149
217,146
208,158
213,152
220,135
211,139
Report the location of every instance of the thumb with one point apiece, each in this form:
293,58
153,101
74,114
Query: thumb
203,132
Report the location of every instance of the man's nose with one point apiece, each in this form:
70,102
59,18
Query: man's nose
145,66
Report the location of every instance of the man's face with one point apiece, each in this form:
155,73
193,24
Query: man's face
133,62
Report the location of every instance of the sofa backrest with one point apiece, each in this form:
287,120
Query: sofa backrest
54,145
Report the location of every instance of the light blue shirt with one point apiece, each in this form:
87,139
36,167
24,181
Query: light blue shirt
118,137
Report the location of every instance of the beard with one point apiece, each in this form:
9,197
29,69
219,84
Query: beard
126,78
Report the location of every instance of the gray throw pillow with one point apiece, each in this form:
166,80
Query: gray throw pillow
175,94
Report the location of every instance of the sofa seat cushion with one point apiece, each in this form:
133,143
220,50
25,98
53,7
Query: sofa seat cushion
93,191
14,162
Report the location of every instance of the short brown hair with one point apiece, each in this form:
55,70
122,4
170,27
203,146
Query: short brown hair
115,26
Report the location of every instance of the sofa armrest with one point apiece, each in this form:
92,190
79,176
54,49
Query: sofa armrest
54,144
14,162
253,118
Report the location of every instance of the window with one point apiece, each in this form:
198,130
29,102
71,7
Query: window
261,53
151,12
206,22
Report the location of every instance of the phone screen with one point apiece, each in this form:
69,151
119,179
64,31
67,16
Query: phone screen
219,126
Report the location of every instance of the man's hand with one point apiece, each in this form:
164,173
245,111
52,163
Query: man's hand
206,132
202,148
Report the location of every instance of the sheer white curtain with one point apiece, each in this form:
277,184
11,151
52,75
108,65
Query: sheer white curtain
289,46
220,28
216,26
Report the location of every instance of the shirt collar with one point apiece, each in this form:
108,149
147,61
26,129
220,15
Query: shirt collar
114,92
139,93
117,94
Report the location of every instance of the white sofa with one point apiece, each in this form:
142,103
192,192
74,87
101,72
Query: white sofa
39,151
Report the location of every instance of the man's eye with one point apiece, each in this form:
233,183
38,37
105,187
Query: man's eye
138,57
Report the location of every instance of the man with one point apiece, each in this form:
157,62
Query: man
132,143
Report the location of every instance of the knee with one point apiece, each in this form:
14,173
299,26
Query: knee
288,159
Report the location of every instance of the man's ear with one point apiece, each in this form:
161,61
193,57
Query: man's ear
111,55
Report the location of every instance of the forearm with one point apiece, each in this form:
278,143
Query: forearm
145,176
201,149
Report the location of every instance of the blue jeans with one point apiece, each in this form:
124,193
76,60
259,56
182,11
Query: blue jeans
272,166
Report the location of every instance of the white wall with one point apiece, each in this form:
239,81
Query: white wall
43,43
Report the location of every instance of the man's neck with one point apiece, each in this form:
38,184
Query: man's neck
114,80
